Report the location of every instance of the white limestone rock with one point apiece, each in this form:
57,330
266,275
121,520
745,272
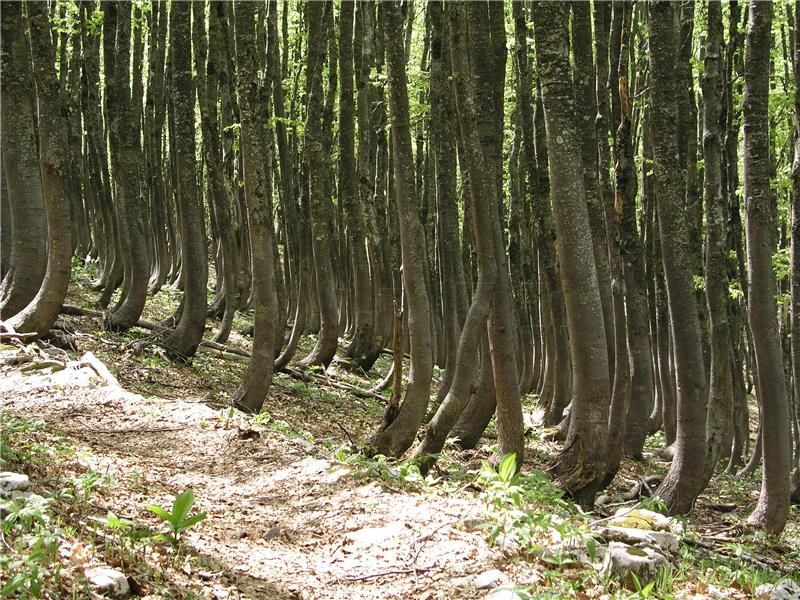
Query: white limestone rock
490,579
108,582
785,589
622,559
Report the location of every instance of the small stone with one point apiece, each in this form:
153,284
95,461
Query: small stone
473,524
621,560
108,582
489,579
10,482
783,590
273,533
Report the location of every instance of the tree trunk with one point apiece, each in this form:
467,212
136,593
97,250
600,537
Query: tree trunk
581,465
321,210
183,339
23,178
396,437
719,420
684,481
253,106
772,509
40,313
125,161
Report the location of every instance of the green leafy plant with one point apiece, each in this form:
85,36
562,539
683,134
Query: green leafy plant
178,520
531,514
643,591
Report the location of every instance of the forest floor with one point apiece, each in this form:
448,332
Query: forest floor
292,510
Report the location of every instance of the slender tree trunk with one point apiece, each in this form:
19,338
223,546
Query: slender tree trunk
795,256
126,154
581,465
183,339
720,399
398,435
484,208
360,350
641,392
684,481
253,106
772,509
321,210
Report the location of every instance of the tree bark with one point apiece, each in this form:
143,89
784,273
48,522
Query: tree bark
719,420
23,178
398,435
40,313
581,465
125,161
183,339
772,509
253,107
684,481
321,210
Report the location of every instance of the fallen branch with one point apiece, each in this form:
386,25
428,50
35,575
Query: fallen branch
71,309
355,390
763,563
130,430
91,361
391,572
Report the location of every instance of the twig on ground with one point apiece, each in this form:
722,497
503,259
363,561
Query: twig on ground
353,444
130,430
423,539
390,572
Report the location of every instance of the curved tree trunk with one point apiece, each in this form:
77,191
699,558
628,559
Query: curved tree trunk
581,466
398,435
253,107
483,203
125,160
321,209
684,481
40,313
772,509
23,178
183,339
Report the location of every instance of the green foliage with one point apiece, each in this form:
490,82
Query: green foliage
392,472
531,512
643,591
655,504
27,524
178,520
16,445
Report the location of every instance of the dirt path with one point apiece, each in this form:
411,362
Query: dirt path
285,520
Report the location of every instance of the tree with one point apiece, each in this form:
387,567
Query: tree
183,339
41,312
321,213
720,400
581,466
253,106
126,164
22,177
772,509
684,481
397,434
